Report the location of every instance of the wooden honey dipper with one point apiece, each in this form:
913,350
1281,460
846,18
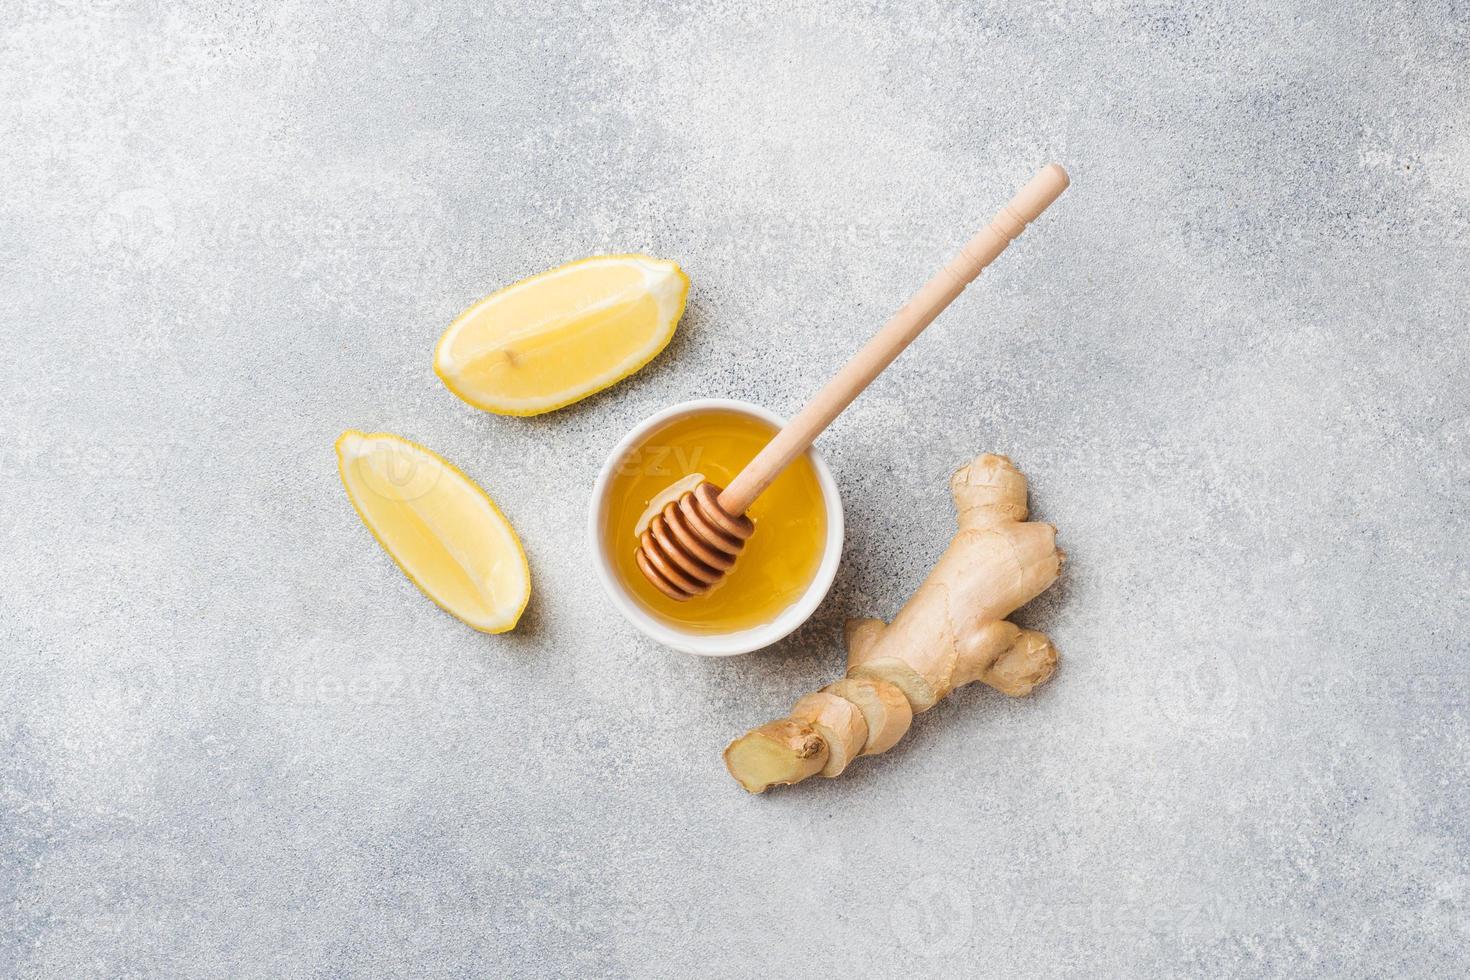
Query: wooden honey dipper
695,539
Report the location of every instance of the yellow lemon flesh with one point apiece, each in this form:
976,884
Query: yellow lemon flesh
556,338
443,531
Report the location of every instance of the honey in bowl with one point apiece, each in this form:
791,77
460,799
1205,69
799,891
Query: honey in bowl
779,561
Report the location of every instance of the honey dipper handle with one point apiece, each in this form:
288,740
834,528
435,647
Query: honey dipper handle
896,334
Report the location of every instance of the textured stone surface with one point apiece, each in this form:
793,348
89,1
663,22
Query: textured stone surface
235,741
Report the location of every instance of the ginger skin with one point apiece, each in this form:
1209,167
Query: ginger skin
952,632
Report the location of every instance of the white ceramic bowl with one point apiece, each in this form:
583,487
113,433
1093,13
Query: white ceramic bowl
706,644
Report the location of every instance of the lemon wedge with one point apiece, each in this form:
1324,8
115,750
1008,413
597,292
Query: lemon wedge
443,531
560,336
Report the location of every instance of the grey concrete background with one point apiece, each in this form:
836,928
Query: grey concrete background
237,742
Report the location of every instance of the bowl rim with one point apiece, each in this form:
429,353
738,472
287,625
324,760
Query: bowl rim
713,644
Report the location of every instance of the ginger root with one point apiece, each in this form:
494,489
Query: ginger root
951,632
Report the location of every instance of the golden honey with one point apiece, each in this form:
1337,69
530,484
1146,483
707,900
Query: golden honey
779,561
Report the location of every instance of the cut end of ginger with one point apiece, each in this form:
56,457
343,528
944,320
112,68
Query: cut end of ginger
441,529
779,753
